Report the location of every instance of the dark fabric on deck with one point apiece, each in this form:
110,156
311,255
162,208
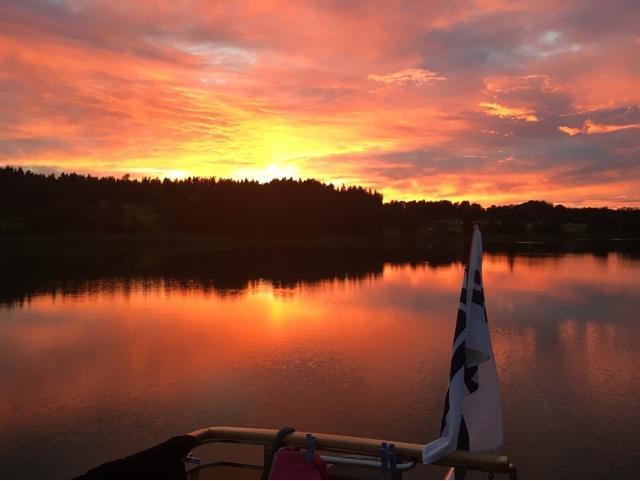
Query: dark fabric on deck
164,461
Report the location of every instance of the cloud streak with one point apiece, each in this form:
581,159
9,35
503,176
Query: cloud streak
504,112
416,76
589,127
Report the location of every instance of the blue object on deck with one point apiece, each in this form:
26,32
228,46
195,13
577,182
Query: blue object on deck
311,446
391,454
384,457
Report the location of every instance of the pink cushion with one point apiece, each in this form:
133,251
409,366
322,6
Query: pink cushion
291,463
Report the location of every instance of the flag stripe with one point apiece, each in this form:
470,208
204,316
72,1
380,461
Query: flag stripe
477,297
463,296
461,324
463,436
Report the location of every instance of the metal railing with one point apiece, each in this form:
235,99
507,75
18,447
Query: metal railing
408,454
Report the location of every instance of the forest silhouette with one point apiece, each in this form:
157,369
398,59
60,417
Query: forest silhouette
72,204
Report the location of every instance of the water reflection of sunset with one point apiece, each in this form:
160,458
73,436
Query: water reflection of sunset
138,360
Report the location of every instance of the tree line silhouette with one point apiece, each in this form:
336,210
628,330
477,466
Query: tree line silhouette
35,204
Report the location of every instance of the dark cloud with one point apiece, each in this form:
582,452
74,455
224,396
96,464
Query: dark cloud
17,148
487,44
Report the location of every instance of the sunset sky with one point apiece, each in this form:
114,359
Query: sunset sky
492,101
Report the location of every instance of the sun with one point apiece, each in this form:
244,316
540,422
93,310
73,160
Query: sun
268,173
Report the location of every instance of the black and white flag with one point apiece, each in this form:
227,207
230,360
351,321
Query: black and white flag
472,419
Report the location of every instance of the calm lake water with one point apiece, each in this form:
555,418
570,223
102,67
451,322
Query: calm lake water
100,358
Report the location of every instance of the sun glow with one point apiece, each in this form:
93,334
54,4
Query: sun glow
272,171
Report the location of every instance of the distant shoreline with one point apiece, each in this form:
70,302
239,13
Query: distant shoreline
213,243
218,213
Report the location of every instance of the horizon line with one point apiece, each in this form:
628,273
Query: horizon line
128,177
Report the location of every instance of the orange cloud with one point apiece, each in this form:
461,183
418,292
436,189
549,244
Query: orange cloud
416,76
506,83
504,112
589,127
